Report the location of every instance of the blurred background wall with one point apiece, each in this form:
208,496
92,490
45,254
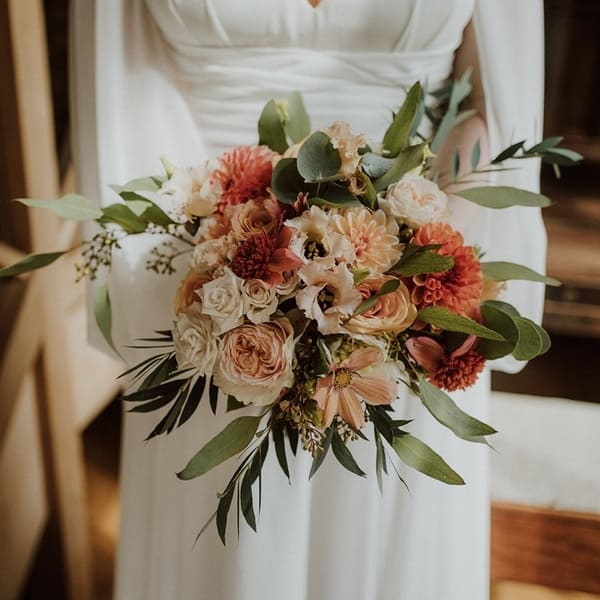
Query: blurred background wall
59,425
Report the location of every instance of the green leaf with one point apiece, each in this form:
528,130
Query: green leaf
455,166
531,340
449,321
145,209
397,136
318,160
122,215
370,196
499,320
545,144
223,511
142,184
505,271
508,152
71,206
229,442
344,456
213,397
297,126
421,457
321,454
461,88
246,500
476,154
233,404
271,132
387,288
30,263
422,262
445,410
193,400
503,197
279,442
103,314
509,309
406,161
287,182
375,165
561,156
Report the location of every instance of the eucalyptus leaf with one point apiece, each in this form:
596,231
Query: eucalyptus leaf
297,126
531,342
545,144
505,271
397,135
279,443
229,442
322,453
421,457
271,131
318,160
30,263
503,197
375,165
142,184
145,209
498,320
407,160
449,321
286,181
72,206
246,500
446,411
561,156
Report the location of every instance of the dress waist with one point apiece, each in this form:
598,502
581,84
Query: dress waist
226,87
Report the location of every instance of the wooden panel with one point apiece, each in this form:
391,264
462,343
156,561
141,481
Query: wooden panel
23,503
551,548
508,590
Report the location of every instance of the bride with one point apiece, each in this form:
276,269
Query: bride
187,79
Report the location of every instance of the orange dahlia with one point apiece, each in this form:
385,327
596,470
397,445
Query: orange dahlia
244,174
459,289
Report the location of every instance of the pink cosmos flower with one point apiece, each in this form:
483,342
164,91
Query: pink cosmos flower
341,392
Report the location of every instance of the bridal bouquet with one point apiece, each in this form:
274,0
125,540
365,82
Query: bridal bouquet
321,277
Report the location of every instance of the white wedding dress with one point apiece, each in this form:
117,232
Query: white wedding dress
187,79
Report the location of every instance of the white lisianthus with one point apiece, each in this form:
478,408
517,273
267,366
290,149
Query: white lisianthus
316,241
414,200
222,300
195,343
347,144
256,362
191,192
329,296
260,300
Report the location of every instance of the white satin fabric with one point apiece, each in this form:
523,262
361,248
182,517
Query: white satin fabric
187,79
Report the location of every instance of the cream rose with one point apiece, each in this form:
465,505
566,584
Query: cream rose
392,313
414,201
256,362
222,300
196,345
260,300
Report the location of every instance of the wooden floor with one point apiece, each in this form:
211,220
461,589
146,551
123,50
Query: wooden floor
102,457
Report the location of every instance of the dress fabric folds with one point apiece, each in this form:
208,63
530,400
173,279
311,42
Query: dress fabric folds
187,80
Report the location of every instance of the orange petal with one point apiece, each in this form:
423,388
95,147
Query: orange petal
350,408
361,358
374,390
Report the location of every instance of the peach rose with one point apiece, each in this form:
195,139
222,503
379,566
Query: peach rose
254,217
256,362
187,291
393,312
